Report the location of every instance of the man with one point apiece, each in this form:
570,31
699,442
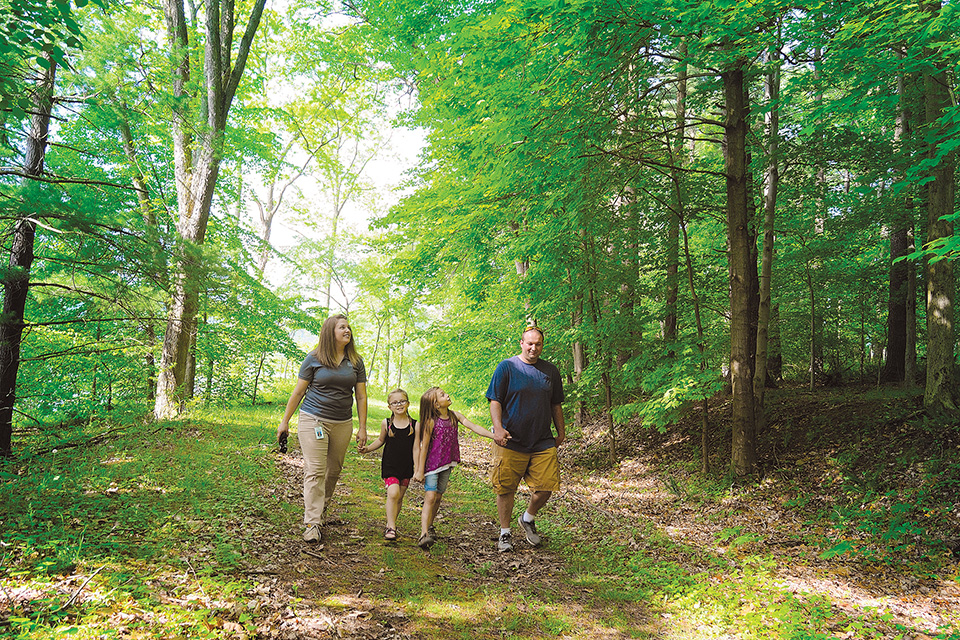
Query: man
525,395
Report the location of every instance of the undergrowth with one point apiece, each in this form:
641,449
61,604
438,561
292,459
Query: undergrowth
149,532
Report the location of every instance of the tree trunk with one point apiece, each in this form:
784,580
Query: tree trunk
209,389
679,197
813,325
910,352
156,269
196,166
256,378
579,362
403,342
608,412
332,253
774,351
893,367
16,281
386,360
740,236
940,395
702,347
771,184
678,216
631,267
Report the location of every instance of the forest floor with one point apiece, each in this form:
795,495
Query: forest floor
835,538
781,521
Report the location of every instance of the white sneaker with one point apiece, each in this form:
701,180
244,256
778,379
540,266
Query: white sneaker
504,544
312,534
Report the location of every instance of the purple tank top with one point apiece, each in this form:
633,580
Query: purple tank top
444,446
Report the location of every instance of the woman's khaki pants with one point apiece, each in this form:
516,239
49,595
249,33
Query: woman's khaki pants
322,462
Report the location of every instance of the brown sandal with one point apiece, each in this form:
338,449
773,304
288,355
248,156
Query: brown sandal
390,534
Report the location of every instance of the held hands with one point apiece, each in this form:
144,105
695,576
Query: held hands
362,439
501,435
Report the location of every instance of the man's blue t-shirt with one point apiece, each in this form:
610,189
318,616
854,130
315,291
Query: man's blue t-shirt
527,393
330,393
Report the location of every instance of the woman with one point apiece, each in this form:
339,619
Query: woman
329,377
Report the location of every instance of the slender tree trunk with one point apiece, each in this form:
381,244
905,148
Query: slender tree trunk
679,196
190,376
16,281
209,392
631,266
774,352
771,184
813,324
157,267
579,361
386,360
678,216
403,342
151,361
740,236
608,412
702,347
332,254
863,333
376,344
910,352
819,226
256,378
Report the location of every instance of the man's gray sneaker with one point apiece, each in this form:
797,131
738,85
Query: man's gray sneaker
312,534
529,531
504,544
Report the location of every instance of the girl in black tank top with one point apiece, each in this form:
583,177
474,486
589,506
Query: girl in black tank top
400,438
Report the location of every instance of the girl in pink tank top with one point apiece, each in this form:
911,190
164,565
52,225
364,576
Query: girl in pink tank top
439,453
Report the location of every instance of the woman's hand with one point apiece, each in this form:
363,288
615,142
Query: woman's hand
362,438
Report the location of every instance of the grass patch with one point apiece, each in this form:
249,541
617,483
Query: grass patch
134,534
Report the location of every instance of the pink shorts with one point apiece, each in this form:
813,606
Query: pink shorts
403,483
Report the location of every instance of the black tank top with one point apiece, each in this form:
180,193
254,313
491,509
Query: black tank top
397,459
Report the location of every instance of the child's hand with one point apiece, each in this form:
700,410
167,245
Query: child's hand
418,476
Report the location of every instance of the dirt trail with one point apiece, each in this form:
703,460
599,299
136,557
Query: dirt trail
338,590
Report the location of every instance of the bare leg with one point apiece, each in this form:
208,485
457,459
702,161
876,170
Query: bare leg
537,500
505,508
431,503
394,500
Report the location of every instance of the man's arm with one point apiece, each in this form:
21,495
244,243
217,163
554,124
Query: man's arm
557,411
500,435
